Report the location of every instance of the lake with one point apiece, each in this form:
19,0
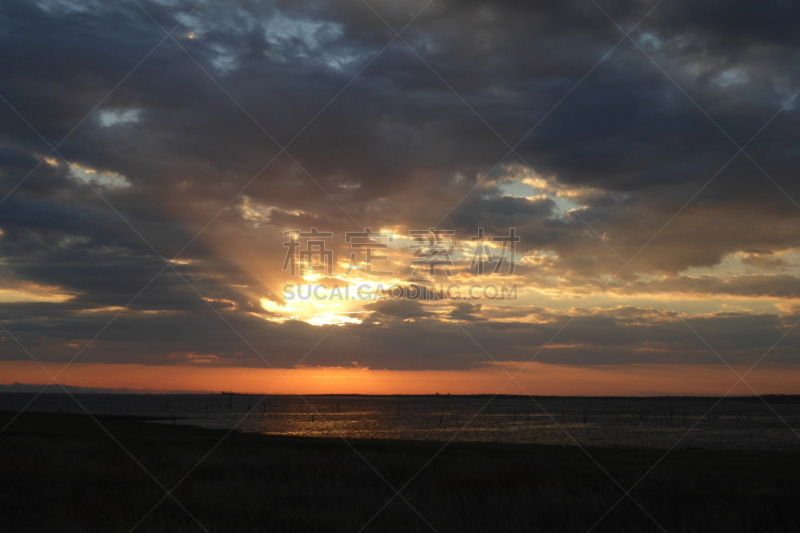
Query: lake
734,424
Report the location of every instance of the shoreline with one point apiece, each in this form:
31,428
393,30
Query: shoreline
198,431
35,389
182,419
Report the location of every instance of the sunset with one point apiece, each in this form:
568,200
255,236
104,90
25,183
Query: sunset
311,228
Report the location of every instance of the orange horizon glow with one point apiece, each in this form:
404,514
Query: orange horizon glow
535,379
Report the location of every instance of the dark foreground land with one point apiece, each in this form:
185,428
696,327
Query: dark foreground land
61,472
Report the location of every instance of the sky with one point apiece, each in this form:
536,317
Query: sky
163,162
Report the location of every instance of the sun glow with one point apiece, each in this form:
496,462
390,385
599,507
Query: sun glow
634,380
318,309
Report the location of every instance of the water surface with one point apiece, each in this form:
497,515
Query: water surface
736,423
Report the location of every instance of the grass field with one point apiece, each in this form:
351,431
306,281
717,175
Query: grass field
63,473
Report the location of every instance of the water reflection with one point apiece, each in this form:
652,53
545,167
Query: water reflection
736,423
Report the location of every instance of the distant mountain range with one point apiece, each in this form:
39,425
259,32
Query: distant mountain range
30,388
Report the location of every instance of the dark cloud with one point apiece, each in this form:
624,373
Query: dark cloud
178,133
466,311
398,308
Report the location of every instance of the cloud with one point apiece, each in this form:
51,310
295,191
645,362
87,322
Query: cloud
466,311
398,308
181,146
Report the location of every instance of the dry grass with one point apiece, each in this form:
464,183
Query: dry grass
63,473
